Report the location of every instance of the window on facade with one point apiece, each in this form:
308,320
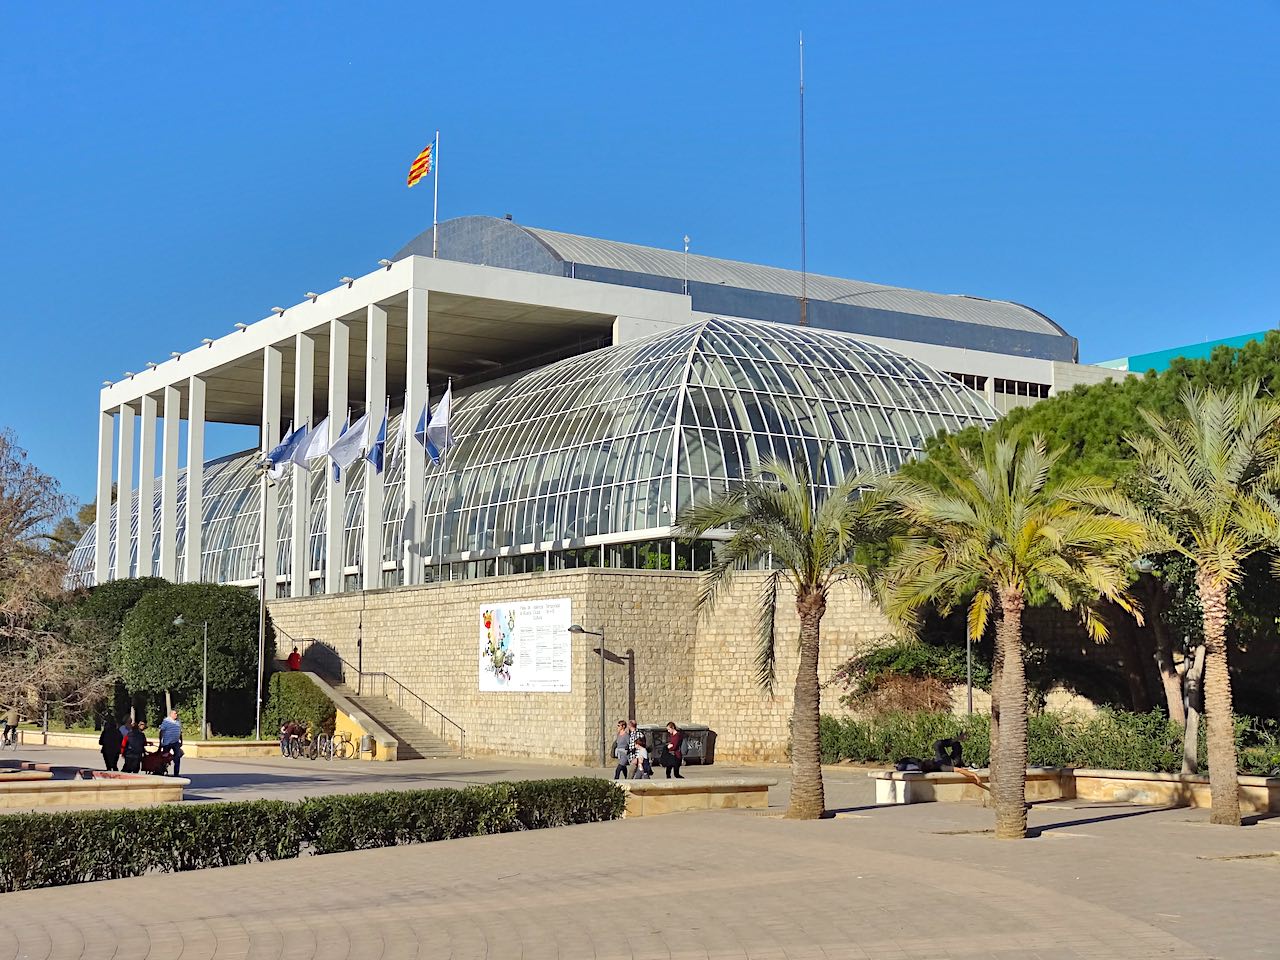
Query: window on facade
1021,388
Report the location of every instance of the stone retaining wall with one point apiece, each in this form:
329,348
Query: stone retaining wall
689,668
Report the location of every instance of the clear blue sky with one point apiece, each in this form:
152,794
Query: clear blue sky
169,170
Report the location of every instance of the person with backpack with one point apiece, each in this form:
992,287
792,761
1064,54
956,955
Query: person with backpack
135,748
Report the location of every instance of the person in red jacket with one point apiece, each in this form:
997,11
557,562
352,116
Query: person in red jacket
295,660
673,757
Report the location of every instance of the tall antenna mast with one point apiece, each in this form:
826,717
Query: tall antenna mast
804,266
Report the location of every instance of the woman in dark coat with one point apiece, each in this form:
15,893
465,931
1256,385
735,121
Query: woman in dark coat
673,757
135,747
109,740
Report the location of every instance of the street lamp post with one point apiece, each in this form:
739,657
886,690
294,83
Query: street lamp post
204,680
578,628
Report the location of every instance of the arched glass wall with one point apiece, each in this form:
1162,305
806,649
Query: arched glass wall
606,448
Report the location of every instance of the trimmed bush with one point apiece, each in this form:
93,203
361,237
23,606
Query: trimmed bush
52,849
294,696
156,656
1108,740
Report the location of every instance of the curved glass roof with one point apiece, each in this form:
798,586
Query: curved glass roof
610,445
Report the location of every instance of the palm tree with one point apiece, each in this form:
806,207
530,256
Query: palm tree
994,531
812,540
1208,481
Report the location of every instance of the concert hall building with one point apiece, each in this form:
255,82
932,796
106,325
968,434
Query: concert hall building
599,388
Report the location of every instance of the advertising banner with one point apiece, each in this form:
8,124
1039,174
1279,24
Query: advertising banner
525,645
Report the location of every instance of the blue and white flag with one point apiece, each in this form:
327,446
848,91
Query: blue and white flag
282,454
349,447
317,446
420,428
378,446
438,437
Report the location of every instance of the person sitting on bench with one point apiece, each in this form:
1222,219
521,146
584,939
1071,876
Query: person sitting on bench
950,752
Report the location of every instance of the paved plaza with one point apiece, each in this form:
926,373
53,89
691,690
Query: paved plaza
892,882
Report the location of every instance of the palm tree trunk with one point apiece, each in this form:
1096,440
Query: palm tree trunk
1009,778
1194,680
1224,786
997,669
807,799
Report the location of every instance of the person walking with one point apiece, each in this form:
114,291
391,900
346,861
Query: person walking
109,742
621,750
135,748
295,660
643,770
171,739
674,755
633,734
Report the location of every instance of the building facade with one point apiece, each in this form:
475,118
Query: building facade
599,389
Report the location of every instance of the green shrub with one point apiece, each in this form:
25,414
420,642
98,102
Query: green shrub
1107,739
51,849
295,696
913,658
156,656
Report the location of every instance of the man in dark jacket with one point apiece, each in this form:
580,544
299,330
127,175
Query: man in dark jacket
109,740
135,747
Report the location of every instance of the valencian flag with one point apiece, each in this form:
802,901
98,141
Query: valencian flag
422,165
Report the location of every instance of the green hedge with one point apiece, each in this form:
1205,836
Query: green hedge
1107,739
294,696
52,849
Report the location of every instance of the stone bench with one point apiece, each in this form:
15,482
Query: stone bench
648,798
898,786
1257,794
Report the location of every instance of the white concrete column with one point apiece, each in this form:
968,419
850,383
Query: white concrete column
102,521
339,363
269,507
304,359
375,393
124,495
169,484
193,570
415,456
146,488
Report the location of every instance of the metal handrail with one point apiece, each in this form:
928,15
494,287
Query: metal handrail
401,692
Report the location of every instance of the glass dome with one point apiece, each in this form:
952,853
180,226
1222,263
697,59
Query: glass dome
608,446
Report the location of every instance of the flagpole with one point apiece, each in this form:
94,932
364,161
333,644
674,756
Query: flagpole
435,205
804,291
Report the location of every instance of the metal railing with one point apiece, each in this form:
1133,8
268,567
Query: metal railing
407,700
331,665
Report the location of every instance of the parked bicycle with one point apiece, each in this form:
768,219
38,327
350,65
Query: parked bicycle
337,747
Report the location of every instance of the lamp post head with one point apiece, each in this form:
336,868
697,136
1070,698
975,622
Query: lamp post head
178,621
576,628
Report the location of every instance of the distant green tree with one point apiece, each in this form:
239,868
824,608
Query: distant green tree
158,657
1092,426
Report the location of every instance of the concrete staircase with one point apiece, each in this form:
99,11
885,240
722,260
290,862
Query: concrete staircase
416,742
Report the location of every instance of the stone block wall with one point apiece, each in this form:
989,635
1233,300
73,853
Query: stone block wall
688,668
750,724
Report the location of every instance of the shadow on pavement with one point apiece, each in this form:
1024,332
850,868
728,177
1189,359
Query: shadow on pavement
1082,821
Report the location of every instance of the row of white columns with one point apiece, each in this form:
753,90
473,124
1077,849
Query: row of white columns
134,517
134,524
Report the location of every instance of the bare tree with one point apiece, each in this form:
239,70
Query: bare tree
37,665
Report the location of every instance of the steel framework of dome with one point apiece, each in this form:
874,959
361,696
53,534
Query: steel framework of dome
604,448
